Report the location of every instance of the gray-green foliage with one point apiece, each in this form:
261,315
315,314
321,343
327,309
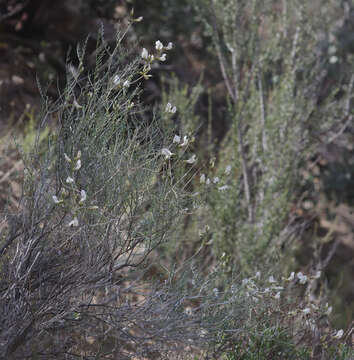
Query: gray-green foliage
97,200
274,75
102,196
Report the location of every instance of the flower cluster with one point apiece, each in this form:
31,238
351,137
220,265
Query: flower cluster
308,313
70,188
159,55
177,140
216,179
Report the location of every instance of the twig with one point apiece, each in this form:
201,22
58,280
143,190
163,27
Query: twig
261,104
14,11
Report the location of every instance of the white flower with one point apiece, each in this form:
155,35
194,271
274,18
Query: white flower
202,179
162,57
277,288
78,156
56,200
216,180
332,50
223,188
192,159
329,310
83,196
185,141
116,80
167,153
158,45
333,59
171,109
67,158
258,273
306,311
207,181
277,295
266,291
317,275
271,279
126,84
69,180
78,165
176,139
228,169
216,292
301,277
140,18
74,222
245,282
291,277
169,46
77,105
145,54
339,334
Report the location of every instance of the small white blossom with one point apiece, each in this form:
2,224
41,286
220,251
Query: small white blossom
216,180
158,45
145,54
162,57
339,334
317,275
67,158
78,165
228,170
192,159
266,291
83,196
277,295
329,310
207,181
306,311
258,273
245,282
78,156
202,179
291,277
140,18
332,50
185,141
271,279
301,277
126,84
74,222
167,153
177,139
333,59
116,80
277,288
77,105
223,188
171,109
169,46
69,180
216,292
55,199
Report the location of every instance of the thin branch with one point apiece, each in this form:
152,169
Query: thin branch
261,104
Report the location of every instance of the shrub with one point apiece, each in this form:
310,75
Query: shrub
79,274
